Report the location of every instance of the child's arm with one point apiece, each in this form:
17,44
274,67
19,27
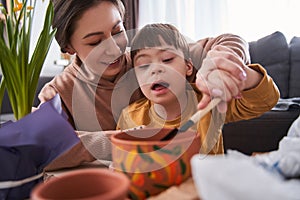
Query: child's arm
253,78
256,99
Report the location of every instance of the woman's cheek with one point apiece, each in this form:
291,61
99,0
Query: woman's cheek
122,42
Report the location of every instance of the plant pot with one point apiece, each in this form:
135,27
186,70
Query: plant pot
153,165
84,184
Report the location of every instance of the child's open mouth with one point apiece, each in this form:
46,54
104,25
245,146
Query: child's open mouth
159,86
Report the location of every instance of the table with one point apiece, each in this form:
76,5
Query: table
185,191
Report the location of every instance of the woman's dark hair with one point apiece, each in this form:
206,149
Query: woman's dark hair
151,35
68,12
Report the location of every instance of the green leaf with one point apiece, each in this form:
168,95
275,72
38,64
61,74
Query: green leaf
41,50
2,25
2,90
8,61
21,73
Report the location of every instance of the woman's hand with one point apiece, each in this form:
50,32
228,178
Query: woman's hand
107,134
222,74
46,93
110,133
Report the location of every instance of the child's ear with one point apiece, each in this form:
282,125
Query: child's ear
189,67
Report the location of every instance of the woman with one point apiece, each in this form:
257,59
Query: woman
99,83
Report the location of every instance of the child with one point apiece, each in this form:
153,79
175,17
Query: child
161,60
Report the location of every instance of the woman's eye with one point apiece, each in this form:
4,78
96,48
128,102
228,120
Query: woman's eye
95,43
168,60
117,33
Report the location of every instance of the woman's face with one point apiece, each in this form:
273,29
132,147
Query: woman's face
100,39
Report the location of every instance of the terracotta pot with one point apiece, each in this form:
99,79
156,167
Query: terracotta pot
84,184
153,165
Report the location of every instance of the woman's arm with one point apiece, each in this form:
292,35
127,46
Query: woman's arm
93,146
236,45
221,68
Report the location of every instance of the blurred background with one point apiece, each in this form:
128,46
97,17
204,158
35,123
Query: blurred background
196,19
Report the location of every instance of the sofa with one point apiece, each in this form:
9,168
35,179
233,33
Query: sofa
282,61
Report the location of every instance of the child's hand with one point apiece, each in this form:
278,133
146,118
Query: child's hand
223,75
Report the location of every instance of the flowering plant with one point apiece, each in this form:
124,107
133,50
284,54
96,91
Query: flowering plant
20,70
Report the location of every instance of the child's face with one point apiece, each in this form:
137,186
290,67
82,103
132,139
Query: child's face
161,73
100,39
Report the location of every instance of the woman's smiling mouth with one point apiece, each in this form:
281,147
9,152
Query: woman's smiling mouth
111,63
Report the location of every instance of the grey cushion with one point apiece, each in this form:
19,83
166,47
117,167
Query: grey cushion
272,52
294,87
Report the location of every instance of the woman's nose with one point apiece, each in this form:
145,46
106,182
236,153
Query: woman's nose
111,47
156,69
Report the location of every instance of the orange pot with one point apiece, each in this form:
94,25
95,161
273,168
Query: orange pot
84,184
153,165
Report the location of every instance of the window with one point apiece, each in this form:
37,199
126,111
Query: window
250,19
